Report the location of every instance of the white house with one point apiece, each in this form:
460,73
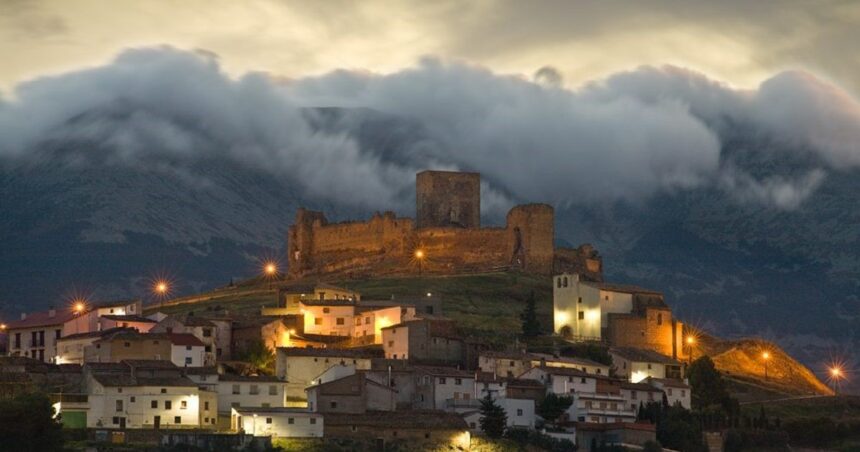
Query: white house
235,391
677,391
300,366
278,422
637,364
146,394
443,388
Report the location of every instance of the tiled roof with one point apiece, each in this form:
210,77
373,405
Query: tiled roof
127,380
330,352
399,419
184,339
128,318
101,333
43,318
150,364
205,370
642,355
444,371
249,378
621,288
190,320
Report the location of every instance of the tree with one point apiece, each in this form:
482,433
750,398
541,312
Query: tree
708,385
531,326
678,429
493,417
552,406
27,423
259,355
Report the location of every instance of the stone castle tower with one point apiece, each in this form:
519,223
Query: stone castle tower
448,199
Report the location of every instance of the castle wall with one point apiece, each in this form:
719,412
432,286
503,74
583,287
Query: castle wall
654,330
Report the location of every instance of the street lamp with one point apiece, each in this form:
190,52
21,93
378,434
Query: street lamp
766,357
836,374
419,256
691,342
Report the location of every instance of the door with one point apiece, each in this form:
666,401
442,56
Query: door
122,423
156,422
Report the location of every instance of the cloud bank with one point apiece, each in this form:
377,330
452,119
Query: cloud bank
626,137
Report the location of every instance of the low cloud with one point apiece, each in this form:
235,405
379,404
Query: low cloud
627,137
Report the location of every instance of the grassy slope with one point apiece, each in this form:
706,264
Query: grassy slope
487,306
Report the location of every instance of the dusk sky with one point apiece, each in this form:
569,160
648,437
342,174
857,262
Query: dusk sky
738,42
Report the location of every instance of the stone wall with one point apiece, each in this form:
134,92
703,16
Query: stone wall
645,331
448,199
447,231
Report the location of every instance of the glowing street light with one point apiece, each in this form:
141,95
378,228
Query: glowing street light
419,256
271,269
836,374
79,306
691,342
765,356
161,288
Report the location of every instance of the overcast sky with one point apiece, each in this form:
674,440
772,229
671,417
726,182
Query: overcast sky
739,42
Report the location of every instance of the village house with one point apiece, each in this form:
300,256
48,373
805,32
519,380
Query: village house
87,316
512,363
137,322
677,391
239,391
300,366
182,349
145,394
277,422
622,315
269,331
416,430
354,393
424,340
70,349
442,388
213,333
291,295
637,394
636,364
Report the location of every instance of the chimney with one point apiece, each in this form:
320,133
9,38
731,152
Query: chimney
23,316
52,312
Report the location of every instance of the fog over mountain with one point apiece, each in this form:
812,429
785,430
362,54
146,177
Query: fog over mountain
740,204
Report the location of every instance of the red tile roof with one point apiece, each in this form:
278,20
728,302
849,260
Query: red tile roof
44,318
184,339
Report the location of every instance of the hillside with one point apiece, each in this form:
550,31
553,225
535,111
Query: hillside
487,307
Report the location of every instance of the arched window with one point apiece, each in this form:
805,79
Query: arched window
565,281
558,282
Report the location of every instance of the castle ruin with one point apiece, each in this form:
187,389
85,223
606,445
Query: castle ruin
445,238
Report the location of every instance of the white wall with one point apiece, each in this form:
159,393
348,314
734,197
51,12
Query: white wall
179,354
136,406
263,398
304,425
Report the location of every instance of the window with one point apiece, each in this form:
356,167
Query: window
317,320
273,390
177,419
326,310
188,348
659,319
207,349
649,366
519,411
207,332
333,404
206,405
268,420
670,391
255,390
558,282
565,281
606,298
119,390
633,395
367,320
153,404
168,404
236,390
164,390
57,334
115,420
683,393
187,360
291,421
127,344
458,381
339,321
581,315
183,405
119,405
391,343
512,363
132,399
582,380
313,420
579,300
357,321
441,380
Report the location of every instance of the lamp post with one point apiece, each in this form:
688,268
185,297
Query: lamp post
691,342
270,270
419,256
161,289
766,357
836,374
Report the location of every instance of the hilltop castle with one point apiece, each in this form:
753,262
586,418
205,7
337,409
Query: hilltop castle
446,237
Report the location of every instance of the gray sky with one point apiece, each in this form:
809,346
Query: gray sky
739,42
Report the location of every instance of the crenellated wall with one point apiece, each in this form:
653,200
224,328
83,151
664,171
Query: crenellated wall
387,244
